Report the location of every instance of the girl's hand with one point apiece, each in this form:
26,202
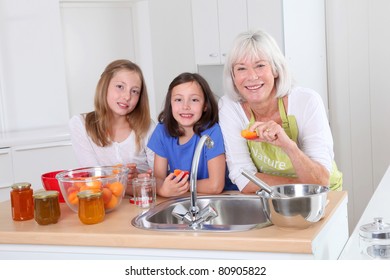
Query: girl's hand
174,185
133,173
142,173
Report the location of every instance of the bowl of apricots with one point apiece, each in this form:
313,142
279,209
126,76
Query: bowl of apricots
110,180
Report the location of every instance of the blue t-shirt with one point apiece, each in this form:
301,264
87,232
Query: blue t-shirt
180,156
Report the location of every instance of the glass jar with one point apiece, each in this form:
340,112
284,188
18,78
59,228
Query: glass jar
374,239
46,207
91,207
22,204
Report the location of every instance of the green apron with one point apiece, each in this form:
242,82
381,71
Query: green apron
271,159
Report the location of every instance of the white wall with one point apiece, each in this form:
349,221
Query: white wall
94,35
172,43
359,88
305,43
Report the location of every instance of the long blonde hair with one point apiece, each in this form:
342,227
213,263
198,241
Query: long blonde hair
98,122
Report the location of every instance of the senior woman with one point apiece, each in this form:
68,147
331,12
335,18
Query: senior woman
293,142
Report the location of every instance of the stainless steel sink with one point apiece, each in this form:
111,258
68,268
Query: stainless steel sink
235,213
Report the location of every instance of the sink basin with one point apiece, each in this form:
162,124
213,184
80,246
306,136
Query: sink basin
235,213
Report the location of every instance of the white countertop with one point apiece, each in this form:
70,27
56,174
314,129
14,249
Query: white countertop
378,206
34,136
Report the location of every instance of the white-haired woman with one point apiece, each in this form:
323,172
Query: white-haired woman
293,141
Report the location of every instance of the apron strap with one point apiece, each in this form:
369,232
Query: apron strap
289,123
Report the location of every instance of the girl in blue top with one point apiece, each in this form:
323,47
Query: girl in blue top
190,111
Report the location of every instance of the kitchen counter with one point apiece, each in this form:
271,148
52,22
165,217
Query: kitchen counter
116,238
378,206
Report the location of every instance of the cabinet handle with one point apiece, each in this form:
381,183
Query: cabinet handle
213,55
224,54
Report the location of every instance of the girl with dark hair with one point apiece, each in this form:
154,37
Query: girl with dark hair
190,111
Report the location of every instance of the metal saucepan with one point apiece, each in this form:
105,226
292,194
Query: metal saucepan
293,205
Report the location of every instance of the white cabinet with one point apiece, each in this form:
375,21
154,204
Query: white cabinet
27,154
267,15
215,24
31,161
6,175
33,87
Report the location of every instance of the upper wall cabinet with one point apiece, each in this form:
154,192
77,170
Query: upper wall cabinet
216,23
33,86
267,15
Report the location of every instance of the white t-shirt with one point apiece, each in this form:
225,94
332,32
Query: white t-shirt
314,134
90,154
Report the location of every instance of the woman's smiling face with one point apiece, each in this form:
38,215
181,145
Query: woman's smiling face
254,79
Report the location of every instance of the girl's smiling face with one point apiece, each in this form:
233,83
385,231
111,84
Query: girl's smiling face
188,104
123,92
254,79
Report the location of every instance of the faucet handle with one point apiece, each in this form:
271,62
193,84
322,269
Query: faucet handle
208,213
181,213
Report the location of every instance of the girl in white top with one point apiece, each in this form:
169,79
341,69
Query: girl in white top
118,130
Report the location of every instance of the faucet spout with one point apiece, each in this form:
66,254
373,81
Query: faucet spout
195,217
204,140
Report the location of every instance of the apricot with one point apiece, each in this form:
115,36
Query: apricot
178,171
107,194
79,184
117,171
94,184
72,189
247,134
112,203
72,198
116,188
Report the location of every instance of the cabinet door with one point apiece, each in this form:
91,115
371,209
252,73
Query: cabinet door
32,65
268,16
95,33
30,162
232,20
6,175
206,31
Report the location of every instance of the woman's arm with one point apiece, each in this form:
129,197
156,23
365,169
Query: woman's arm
232,120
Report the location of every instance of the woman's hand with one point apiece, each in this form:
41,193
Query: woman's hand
271,132
174,185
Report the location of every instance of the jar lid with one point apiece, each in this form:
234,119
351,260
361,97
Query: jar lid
376,230
21,186
45,194
89,194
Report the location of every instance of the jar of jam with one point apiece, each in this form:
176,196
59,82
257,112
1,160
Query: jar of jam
22,205
46,207
91,207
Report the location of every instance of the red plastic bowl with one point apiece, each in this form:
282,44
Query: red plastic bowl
50,183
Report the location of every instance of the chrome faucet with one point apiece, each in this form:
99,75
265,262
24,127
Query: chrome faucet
195,217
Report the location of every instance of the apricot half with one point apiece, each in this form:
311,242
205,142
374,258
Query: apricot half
178,171
247,134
